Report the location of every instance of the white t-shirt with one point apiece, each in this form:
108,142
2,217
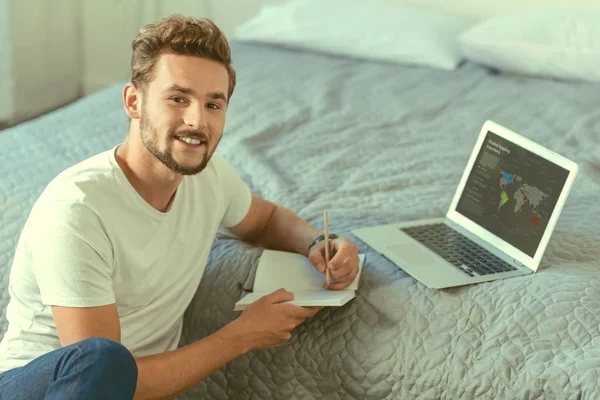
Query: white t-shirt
91,240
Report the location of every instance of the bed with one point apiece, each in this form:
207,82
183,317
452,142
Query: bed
373,143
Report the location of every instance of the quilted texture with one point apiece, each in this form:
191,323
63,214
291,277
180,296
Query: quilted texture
373,143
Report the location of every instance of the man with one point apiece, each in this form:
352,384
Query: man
115,247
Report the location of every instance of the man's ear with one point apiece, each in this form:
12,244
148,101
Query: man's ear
132,101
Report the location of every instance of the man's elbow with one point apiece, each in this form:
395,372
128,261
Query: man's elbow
265,235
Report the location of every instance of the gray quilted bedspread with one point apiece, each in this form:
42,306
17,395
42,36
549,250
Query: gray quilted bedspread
373,143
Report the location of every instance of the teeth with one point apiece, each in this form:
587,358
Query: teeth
190,140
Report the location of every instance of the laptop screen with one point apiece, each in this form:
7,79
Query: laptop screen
512,192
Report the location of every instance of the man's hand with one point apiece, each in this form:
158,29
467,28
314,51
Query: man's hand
343,264
269,322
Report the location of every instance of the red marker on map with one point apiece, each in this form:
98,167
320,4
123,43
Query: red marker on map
535,220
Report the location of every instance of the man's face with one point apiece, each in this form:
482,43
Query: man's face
182,115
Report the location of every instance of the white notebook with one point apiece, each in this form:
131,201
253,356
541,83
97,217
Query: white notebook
295,273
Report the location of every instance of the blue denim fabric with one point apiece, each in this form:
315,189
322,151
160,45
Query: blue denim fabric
92,369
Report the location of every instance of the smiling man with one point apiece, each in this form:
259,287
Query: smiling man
115,247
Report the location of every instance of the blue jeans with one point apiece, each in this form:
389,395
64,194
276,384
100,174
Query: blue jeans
94,368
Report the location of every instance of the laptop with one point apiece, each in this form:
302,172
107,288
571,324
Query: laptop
498,225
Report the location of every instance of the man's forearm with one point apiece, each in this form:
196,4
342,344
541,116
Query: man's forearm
286,231
166,375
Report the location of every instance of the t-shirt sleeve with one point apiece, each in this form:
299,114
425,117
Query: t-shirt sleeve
236,193
71,255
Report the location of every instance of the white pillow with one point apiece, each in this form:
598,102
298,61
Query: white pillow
563,44
372,29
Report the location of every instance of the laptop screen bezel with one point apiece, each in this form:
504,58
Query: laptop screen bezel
513,252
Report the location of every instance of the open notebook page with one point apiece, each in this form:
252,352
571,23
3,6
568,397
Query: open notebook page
296,274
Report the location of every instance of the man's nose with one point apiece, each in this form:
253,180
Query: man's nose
195,118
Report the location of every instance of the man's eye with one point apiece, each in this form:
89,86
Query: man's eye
213,106
178,99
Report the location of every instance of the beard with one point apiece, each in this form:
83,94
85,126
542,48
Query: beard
149,134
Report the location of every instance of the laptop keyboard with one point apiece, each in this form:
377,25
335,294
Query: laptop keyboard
458,249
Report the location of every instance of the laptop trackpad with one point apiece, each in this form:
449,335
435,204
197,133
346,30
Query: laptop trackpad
412,254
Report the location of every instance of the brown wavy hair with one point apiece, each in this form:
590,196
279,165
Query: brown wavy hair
177,34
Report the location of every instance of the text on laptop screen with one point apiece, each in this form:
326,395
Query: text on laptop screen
512,192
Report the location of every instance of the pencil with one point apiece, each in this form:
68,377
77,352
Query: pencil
327,274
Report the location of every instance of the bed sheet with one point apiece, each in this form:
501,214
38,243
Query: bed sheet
373,143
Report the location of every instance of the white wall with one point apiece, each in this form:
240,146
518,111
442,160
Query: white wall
46,57
39,49
109,27
6,98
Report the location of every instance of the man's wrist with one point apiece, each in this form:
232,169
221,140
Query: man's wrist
320,238
233,337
